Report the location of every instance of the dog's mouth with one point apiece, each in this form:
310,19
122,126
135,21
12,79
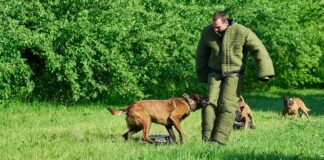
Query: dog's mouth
197,101
203,102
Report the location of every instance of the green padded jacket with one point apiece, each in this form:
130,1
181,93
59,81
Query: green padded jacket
229,55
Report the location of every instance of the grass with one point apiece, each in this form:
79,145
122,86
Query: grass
48,131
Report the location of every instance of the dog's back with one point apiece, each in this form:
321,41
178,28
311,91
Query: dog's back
299,104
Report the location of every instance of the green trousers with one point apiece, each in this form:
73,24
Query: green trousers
218,119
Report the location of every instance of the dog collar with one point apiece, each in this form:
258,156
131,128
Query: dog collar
190,101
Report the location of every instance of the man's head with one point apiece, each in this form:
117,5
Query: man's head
220,21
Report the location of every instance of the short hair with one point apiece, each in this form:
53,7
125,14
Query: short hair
220,15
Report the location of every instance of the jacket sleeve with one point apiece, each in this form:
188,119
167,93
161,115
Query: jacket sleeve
202,57
261,56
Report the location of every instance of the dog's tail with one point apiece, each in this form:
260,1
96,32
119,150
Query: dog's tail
304,106
241,99
116,112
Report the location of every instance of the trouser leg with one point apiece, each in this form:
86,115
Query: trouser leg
208,112
225,111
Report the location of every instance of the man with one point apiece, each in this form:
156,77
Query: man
220,60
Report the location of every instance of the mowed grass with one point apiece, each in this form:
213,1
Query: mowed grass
49,131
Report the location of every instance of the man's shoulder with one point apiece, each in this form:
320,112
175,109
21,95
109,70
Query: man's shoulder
237,26
208,28
207,31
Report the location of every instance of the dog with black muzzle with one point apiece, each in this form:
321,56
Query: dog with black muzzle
292,106
243,116
169,112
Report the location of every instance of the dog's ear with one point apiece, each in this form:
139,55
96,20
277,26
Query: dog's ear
287,101
241,98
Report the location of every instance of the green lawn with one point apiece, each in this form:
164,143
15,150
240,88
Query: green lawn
48,131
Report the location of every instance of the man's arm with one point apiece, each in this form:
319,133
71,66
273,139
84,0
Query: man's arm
265,69
202,56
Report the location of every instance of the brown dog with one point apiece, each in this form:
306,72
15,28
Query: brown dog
243,116
170,112
292,106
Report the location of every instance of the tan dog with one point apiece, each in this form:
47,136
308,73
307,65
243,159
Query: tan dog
170,112
292,106
243,115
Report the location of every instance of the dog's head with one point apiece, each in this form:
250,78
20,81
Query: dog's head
199,101
288,102
239,110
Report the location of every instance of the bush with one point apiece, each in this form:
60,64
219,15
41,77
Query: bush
128,50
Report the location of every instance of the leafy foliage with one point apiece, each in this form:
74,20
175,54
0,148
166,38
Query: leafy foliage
84,50
293,34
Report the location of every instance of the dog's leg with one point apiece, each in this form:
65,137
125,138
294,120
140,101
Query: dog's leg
245,122
146,130
252,125
295,116
127,135
306,113
283,114
305,110
171,133
130,132
176,124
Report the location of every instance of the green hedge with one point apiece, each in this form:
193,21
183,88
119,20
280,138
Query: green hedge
86,50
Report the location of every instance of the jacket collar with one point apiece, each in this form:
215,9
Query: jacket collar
230,23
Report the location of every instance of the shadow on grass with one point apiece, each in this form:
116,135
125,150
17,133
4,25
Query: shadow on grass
114,138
